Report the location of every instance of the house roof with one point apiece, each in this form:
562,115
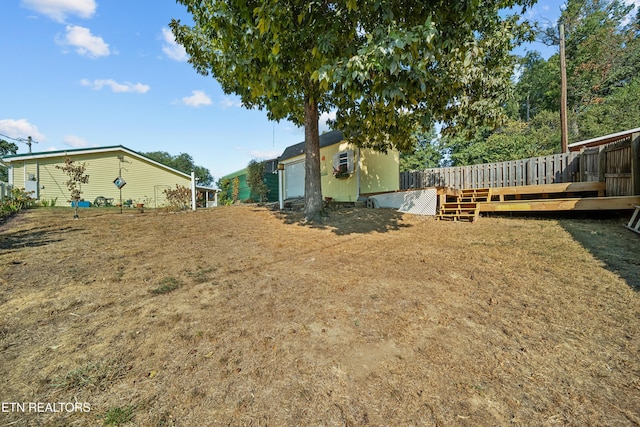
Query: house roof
76,151
234,174
326,139
606,139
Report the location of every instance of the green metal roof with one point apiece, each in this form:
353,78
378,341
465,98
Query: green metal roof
76,151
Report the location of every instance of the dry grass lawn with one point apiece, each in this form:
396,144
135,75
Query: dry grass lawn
244,316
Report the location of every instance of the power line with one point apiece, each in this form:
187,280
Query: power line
27,141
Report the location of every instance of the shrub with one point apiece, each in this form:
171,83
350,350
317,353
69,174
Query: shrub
224,196
17,200
255,180
179,197
235,189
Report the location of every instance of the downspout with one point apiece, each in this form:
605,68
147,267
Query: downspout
193,190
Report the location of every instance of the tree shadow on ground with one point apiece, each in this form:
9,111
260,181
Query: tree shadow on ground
606,238
345,221
39,235
33,237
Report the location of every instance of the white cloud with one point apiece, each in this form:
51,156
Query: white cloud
75,141
264,155
20,129
85,43
197,99
58,10
229,102
322,121
115,86
172,49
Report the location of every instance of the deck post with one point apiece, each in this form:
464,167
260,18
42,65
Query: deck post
602,163
635,164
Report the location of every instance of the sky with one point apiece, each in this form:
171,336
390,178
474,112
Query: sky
92,73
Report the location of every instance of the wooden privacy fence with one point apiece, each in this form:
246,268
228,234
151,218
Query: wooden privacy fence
617,164
535,171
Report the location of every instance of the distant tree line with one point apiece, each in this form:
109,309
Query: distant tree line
184,163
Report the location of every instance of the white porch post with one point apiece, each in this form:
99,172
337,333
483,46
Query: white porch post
193,190
280,189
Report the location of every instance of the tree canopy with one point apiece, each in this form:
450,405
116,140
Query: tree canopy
184,163
603,64
6,147
426,154
388,68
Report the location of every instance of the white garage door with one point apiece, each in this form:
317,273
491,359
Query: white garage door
294,180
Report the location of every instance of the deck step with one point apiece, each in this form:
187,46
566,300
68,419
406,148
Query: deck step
465,205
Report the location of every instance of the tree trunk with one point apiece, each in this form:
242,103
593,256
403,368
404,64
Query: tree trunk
312,181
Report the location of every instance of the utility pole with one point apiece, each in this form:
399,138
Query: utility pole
564,127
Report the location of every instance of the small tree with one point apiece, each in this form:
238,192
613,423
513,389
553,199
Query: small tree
77,177
255,180
235,189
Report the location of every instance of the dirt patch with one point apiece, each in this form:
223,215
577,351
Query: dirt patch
243,316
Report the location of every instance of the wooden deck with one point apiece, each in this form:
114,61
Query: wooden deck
563,204
572,196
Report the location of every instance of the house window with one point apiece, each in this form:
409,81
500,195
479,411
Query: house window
343,164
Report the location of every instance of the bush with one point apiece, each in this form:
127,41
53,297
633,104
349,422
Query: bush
255,180
179,197
17,200
224,196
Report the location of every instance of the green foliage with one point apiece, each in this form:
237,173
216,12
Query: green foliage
255,180
538,87
166,285
48,203
182,162
235,189
519,140
426,153
603,60
178,198
224,196
619,111
77,177
385,67
16,201
512,141
117,416
6,147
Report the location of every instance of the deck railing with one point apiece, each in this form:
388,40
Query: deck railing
616,163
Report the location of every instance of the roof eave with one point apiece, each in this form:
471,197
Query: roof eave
60,153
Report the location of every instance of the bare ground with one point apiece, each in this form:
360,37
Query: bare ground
243,316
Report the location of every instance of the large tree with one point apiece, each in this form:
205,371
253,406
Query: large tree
603,59
386,67
426,154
